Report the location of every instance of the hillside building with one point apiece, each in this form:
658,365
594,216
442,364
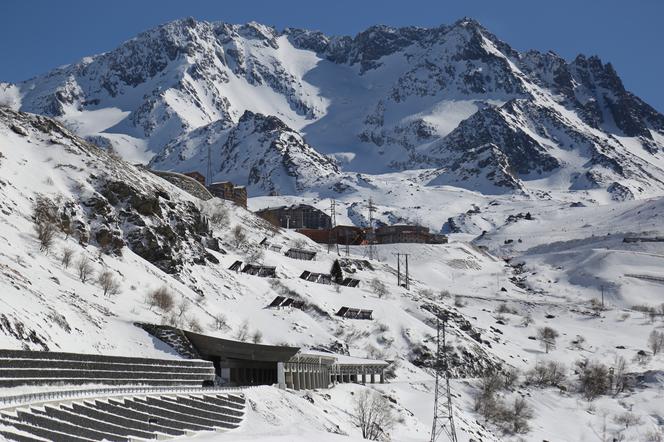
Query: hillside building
297,216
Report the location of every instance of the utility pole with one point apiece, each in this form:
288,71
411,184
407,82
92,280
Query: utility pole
371,234
398,270
602,286
406,276
208,172
333,224
443,414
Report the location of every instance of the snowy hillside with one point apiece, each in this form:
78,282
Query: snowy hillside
454,98
148,234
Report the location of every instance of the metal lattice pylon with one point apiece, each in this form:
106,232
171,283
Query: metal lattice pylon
443,414
371,233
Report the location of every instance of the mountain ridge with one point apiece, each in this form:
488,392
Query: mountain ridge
386,99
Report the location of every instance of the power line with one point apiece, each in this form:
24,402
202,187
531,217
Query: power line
443,414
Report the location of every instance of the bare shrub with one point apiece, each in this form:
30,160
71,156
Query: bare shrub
458,301
619,374
243,332
67,255
257,337
627,419
220,322
194,325
218,216
593,379
300,243
596,306
238,236
577,343
182,307
84,268
109,284
527,320
656,341
510,377
45,231
162,299
504,308
373,415
549,373
378,287
547,337
514,419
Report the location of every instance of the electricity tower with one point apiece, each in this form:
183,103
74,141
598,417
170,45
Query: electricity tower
403,280
371,234
333,223
208,171
443,415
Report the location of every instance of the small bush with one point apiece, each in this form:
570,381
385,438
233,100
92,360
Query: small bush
656,341
593,379
378,287
84,268
238,235
220,322
67,255
547,337
257,337
108,283
194,325
162,299
549,373
243,332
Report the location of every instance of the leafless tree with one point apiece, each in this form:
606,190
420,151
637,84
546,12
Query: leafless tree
515,418
547,337
593,379
162,298
84,267
656,341
45,231
243,332
257,337
373,415
182,307
67,254
220,322
378,287
109,284
194,325
627,419
546,373
239,236
218,215
619,375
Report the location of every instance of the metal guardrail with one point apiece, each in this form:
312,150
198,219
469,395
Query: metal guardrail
65,395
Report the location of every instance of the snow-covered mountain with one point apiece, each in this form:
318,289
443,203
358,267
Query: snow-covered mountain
454,98
558,256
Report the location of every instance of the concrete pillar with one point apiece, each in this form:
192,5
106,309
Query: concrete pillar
296,376
382,376
373,377
281,376
364,376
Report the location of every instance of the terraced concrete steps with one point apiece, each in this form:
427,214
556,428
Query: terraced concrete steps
124,418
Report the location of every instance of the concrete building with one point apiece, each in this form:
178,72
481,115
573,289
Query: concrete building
197,176
407,234
242,363
297,216
228,191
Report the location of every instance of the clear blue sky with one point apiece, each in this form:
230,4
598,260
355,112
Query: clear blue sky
37,35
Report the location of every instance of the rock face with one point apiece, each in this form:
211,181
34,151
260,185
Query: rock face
454,98
120,205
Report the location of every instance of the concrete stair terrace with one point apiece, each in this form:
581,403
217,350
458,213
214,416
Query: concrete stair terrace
19,367
124,418
148,398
